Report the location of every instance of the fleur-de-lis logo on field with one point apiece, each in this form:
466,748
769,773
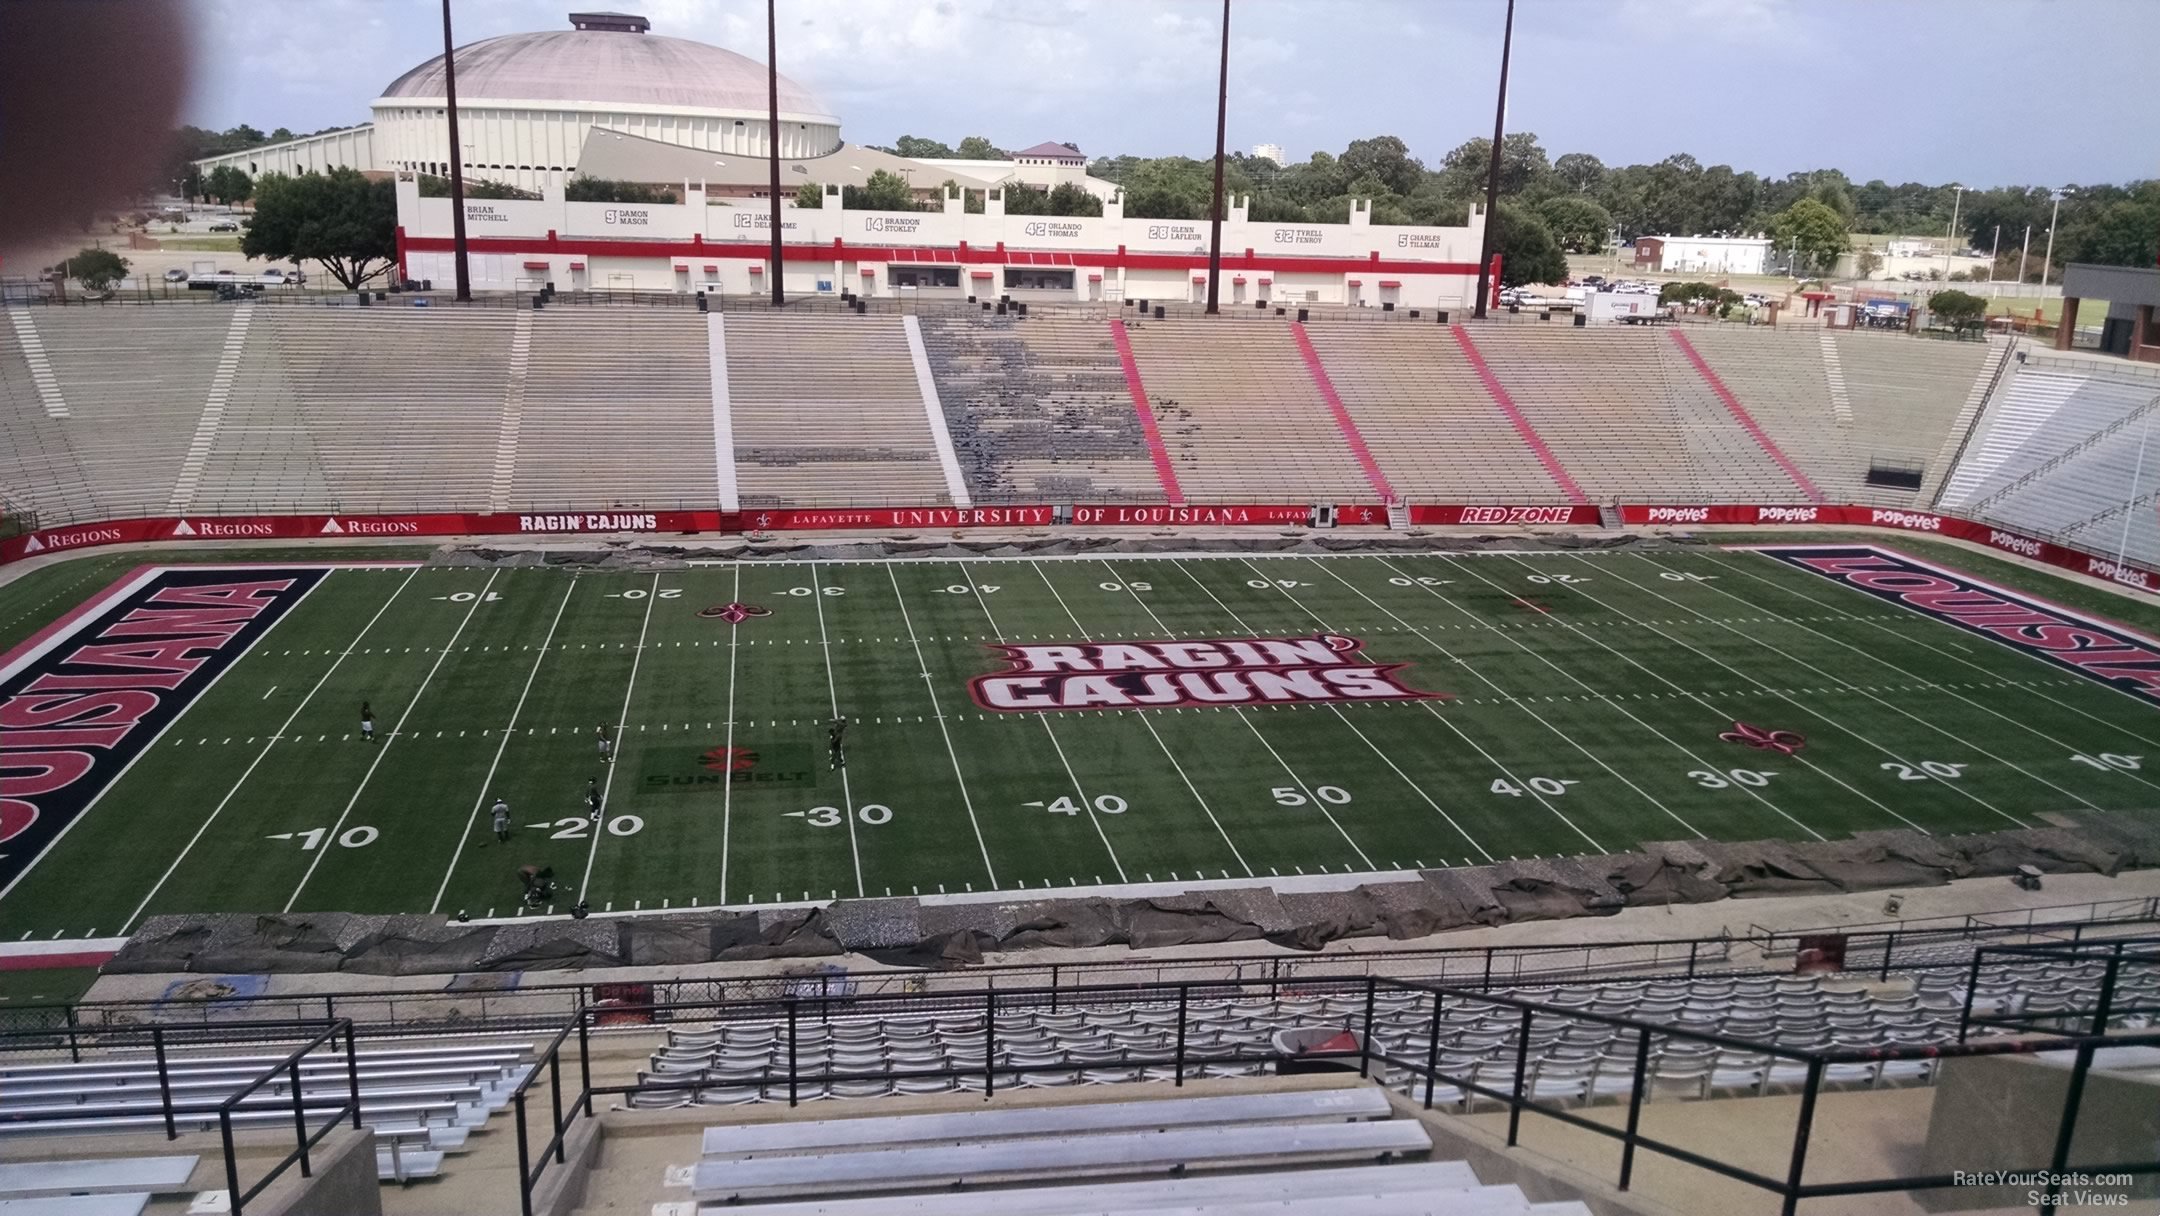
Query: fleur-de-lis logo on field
733,613
1782,741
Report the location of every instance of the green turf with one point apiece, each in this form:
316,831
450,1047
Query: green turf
49,986
1602,714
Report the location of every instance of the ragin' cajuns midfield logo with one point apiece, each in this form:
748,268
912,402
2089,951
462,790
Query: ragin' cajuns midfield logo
1327,668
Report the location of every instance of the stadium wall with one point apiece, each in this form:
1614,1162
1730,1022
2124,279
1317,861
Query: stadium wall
701,245
308,527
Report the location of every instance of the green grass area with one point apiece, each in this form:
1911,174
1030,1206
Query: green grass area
2090,312
219,243
52,986
1589,696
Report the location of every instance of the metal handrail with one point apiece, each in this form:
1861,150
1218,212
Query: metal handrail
291,1065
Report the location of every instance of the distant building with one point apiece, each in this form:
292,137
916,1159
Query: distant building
1271,152
1046,166
1909,247
1703,254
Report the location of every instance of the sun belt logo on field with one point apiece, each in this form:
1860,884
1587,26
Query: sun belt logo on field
1323,669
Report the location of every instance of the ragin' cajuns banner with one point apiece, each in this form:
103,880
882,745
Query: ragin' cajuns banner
1170,674
2122,573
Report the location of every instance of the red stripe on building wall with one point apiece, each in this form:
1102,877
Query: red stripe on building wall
1746,420
1343,420
1156,450
1531,439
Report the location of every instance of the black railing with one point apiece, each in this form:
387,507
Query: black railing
2054,1012
300,1108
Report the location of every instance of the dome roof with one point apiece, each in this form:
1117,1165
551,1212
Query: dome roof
613,67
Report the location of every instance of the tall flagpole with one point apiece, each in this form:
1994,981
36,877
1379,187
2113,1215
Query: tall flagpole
1492,175
1222,115
457,161
772,96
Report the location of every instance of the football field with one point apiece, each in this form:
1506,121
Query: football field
1021,724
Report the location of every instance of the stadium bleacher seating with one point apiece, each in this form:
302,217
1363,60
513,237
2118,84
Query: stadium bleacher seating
827,412
617,411
1239,414
1039,410
1907,396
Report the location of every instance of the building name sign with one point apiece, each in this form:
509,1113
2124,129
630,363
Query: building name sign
1173,232
1420,240
1053,230
627,217
891,223
1299,236
751,219
483,213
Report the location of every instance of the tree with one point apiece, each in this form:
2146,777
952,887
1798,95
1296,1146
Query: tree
1073,199
583,189
97,269
1867,262
1581,172
2123,234
975,147
1528,252
1577,223
228,185
971,201
339,218
432,186
884,191
810,196
1384,159
191,183
1025,200
916,148
1815,233
283,135
1960,309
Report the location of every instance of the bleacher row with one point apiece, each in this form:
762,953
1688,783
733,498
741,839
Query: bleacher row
421,1102
738,1063
127,411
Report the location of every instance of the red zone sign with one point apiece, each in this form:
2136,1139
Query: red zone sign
1166,675
2092,648
80,701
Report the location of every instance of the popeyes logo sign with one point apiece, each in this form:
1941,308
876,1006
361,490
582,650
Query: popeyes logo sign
1324,669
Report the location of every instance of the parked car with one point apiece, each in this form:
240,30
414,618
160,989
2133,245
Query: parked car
225,226
176,275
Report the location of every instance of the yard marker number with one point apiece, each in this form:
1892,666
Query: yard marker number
1132,586
965,589
831,816
1755,777
1421,581
467,597
1108,804
808,591
1271,584
1333,794
638,593
2109,762
1674,576
1557,578
577,827
1551,786
357,837
1925,770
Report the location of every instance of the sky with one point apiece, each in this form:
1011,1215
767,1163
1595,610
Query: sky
1980,92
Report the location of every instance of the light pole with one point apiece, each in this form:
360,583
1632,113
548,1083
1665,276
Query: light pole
772,132
1492,175
2047,260
1950,237
457,162
1215,214
2024,251
1994,251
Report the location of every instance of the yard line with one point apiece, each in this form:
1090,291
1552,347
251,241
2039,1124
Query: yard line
395,732
1303,788
652,596
1087,803
1740,564
480,799
1487,681
727,789
267,745
930,686
1934,684
1160,742
847,795
1788,697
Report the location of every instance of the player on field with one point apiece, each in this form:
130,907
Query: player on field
834,739
502,818
607,745
592,797
367,722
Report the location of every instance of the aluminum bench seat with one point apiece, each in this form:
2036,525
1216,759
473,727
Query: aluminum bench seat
820,1135
1019,1159
96,1176
126,1204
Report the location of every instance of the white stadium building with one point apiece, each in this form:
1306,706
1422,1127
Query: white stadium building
608,99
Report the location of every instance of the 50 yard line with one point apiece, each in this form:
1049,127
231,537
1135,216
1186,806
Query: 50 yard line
390,742
480,799
727,790
652,595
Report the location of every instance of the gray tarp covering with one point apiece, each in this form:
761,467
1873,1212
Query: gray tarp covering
952,934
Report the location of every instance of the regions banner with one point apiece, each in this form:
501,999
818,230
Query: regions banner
79,702
2092,648
2118,572
311,527
1481,515
823,519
